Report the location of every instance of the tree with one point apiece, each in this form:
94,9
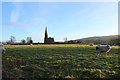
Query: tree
23,41
86,41
28,39
31,41
115,41
78,41
9,42
12,39
65,39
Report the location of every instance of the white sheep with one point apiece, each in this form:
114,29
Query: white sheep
91,44
2,49
105,49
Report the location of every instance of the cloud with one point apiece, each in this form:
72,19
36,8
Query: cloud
15,13
15,24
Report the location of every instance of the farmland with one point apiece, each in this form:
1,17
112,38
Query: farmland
59,61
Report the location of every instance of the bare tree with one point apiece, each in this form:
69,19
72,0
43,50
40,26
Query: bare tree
65,39
28,39
12,39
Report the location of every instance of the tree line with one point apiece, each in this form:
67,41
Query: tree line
23,41
29,40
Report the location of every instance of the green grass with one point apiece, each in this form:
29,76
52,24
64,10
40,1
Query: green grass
59,61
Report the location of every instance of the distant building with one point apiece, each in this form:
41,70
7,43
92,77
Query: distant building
46,39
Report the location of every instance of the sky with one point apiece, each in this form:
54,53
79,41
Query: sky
73,20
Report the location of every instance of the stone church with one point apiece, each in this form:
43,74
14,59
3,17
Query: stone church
46,39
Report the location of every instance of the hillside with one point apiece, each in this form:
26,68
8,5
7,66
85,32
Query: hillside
102,38
112,39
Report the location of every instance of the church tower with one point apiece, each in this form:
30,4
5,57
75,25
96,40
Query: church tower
46,39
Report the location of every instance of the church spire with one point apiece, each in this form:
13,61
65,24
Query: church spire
46,34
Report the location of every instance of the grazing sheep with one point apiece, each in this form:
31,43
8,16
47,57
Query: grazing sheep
2,49
91,44
105,49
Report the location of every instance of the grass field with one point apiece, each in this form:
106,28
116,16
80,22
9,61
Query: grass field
59,61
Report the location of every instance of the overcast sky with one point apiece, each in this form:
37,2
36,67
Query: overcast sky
73,20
